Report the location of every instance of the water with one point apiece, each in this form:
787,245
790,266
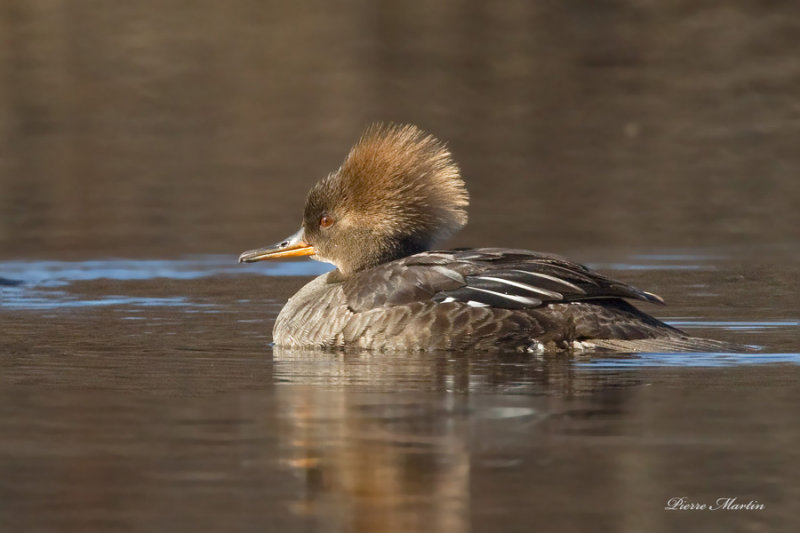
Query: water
144,146
150,397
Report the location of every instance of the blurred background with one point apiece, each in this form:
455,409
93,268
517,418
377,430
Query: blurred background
160,129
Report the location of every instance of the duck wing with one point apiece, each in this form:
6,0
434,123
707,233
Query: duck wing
484,277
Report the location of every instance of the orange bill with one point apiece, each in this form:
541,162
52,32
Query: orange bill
294,246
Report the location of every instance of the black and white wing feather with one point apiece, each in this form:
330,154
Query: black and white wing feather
484,277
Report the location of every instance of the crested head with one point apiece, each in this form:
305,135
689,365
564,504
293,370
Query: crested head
397,193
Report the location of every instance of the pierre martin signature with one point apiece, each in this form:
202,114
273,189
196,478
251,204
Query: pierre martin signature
721,504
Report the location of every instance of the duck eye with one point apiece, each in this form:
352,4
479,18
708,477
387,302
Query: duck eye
326,221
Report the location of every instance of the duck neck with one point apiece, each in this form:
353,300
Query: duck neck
366,257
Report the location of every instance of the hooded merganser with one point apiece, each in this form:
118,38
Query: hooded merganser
399,192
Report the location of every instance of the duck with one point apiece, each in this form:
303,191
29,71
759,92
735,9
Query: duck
378,219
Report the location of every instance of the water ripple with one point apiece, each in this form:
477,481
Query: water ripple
60,273
29,284
633,361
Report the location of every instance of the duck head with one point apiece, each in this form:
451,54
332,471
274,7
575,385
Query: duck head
397,193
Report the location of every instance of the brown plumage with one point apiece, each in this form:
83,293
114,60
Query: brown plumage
397,193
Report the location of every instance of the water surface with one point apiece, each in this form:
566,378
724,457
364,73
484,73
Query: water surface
146,394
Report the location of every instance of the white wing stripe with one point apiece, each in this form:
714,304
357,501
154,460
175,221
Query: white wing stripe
524,286
519,299
552,278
